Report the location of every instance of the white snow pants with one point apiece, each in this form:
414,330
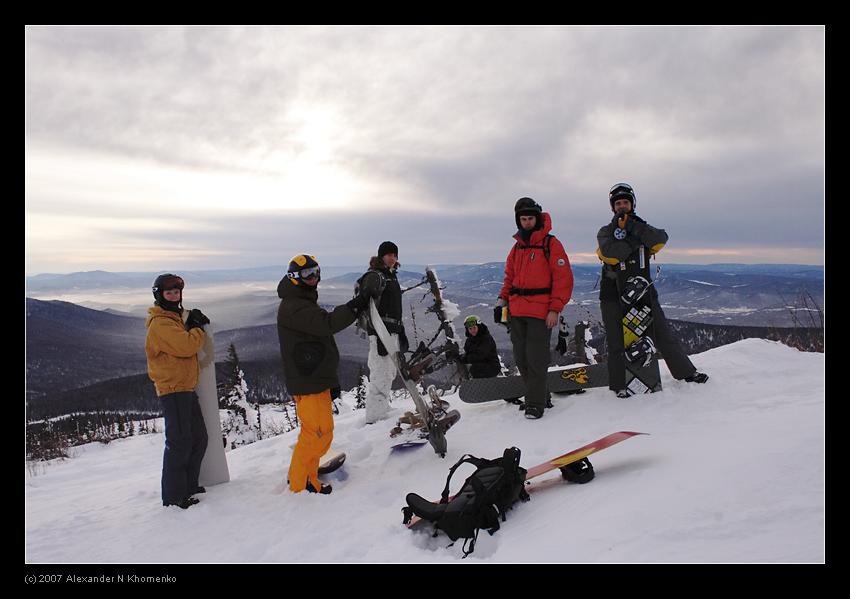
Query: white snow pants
382,371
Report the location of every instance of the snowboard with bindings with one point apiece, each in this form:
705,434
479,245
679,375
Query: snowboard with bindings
562,462
436,419
641,357
569,380
214,465
331,461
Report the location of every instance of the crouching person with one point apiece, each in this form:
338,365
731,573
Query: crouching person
310,361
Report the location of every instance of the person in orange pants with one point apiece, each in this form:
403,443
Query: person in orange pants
317,430
310,361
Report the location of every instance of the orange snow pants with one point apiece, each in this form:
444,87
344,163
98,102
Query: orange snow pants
317,430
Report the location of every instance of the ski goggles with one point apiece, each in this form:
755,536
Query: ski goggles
171,282
305,273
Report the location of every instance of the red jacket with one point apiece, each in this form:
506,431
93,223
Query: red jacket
527,268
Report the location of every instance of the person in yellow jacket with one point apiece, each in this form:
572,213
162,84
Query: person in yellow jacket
310,360
172,352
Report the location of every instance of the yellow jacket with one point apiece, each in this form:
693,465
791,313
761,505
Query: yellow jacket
172,352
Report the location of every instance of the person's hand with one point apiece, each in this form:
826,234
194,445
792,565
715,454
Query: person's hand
359,303
196,319
551,319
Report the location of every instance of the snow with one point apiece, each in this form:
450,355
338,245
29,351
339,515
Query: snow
731,471
703,283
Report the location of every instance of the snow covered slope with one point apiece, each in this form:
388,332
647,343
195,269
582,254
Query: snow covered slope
733,471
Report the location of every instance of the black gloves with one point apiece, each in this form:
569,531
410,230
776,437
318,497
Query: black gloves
358,304
196,319
403,344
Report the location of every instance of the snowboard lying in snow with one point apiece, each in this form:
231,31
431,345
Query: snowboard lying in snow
558,463
569,380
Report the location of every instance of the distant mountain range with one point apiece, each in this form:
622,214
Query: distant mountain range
70,347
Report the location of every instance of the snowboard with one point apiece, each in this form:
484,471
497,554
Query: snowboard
560,462
214,465
439,308
641,377
331,461
435,433
569,380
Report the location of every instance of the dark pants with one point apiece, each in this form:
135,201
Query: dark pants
668,346
185,444
530,338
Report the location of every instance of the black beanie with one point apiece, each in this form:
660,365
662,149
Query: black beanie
387,247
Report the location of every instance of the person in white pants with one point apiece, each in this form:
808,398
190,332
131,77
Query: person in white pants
381,282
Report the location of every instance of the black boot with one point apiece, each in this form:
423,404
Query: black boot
184,504
697,377
324,490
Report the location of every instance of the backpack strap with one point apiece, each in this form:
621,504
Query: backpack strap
545,246
465,459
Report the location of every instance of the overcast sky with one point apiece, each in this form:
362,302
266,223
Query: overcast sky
167,148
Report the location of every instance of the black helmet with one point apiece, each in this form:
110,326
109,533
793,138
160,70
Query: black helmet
620,191
528,207
303,266
164,283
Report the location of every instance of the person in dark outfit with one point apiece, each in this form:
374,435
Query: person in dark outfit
172,349
479,350
310,361
616,244
381,282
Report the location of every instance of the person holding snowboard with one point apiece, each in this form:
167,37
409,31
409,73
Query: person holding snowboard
618,240
310,361
479,350
538,284
172,350
381,282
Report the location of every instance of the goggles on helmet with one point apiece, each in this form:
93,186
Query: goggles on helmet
305,273
621,189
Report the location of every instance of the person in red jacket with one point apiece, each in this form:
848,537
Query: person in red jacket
538,284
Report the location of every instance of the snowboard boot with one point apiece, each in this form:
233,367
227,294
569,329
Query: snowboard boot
533,412
197,490
697,377
323,490
184,504
578,472
623,394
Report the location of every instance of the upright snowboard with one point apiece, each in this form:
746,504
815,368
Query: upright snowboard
569,380
633,283
435,428
214,465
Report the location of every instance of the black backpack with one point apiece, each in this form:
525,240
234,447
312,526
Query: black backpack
483,499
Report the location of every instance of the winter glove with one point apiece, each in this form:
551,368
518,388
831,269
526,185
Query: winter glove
358,304
196,319
497,311
336,393
382,351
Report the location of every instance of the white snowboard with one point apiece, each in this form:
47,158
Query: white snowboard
214,466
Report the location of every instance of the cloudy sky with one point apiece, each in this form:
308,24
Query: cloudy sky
157,148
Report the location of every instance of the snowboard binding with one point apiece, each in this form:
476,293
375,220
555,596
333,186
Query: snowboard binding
641,352
580,472
633,289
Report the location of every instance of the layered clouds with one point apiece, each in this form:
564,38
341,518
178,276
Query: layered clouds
239,146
